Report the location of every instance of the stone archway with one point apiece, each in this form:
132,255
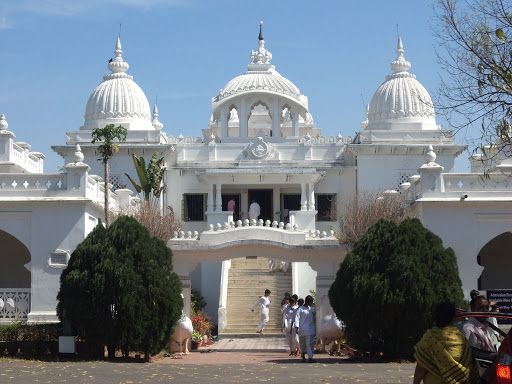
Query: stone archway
14,257
15,278
323,255
495,258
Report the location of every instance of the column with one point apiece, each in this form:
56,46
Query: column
295,123
276,206
218,198
224,122
243,120
311,196
276,119
244,204
303,197
209,207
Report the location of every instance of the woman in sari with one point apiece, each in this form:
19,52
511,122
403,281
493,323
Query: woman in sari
443,355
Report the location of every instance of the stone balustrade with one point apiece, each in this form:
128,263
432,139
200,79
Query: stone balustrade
21,182
248,224
14,304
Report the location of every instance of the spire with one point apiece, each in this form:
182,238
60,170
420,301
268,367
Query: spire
118,64
260,59
400,64
155,123
3,123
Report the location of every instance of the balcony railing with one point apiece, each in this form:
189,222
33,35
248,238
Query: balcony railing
14,304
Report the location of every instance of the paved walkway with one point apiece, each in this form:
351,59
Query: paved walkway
228,362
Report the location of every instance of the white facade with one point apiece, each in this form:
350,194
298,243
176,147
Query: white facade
260,144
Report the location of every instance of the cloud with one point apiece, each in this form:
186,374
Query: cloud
4,22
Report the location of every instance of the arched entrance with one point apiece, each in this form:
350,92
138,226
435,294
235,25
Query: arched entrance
15,278
322,254
497,263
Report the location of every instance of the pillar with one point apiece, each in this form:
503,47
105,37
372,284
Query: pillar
218,198
209,207
224,115
243,120
311,196
244,204
276,197
303,197
295,123
276,119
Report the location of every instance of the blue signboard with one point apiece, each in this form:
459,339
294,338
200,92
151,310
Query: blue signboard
503,297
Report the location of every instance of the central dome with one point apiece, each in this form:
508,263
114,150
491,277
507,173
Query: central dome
118,99
401,101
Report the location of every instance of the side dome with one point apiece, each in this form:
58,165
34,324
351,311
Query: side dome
118,99
401,102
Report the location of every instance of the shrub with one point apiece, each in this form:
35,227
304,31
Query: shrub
119,289
387,286
197,301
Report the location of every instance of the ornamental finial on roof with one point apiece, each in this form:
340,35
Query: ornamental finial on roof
400,64
156,124
260,59
118,64
3,123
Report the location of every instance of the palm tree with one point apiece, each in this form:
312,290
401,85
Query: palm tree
108,135
150,176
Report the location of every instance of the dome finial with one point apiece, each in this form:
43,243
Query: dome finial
3,123
260,37
118,64
400,64
260,59
156,124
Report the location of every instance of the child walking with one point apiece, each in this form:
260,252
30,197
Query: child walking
264,302
306,328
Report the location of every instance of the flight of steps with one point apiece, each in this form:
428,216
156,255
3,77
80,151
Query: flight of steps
248,279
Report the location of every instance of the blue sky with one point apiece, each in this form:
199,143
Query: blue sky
53,53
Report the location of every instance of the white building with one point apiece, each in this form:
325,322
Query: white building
260,144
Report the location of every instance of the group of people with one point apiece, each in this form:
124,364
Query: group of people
277,264
298,322
444,354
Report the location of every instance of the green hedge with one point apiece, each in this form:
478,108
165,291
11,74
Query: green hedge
29,339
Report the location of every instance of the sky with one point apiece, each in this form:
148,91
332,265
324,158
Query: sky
53,53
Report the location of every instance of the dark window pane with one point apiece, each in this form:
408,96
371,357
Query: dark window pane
194,207
326,207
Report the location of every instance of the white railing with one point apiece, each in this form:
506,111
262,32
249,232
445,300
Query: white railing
26,181
14,304
474,182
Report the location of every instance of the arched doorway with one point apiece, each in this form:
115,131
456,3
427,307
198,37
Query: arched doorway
497,263
15,278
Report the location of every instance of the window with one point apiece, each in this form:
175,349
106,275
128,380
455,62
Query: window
193,207
326,207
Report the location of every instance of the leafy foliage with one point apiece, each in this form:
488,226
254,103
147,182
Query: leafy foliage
475,51
197,301
150,176
387,286
119,289
108,135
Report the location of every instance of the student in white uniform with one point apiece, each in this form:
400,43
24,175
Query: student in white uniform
254,211
288,326
306,328
295,336
264,302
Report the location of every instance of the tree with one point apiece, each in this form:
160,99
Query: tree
119,289
361,210
388,284
108,136
475,52
150,177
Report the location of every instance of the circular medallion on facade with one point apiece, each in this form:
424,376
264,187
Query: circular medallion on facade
260,149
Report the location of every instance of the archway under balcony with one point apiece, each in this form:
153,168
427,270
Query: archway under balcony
15,278
321,255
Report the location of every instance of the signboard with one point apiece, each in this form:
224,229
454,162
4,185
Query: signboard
503,297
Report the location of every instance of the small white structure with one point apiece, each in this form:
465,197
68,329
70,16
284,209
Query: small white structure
260,144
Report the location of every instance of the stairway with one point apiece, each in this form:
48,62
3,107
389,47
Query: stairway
247,281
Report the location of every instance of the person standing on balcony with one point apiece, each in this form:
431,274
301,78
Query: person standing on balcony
264,302
231,207
254,211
